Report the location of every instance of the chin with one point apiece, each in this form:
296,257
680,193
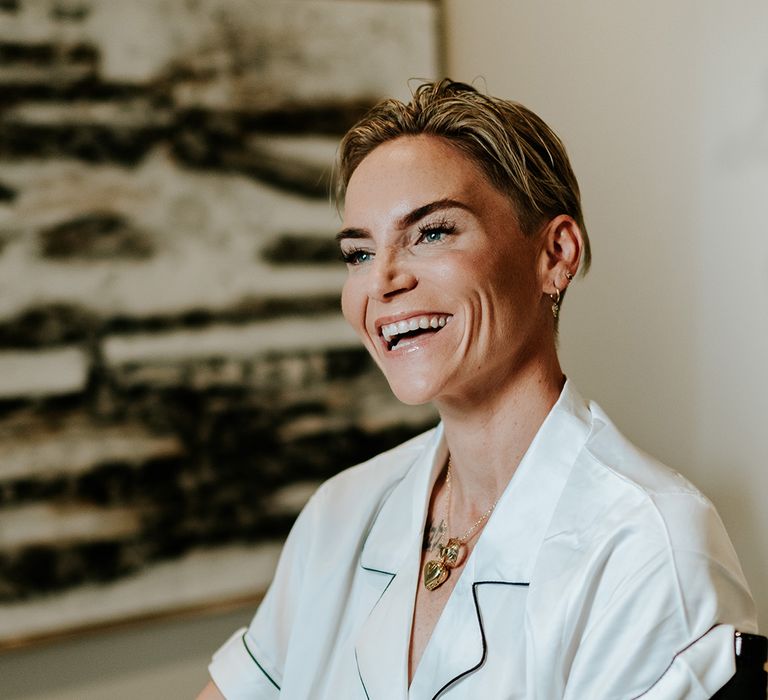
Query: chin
412,393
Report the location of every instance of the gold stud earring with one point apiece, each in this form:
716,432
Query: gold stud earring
569,275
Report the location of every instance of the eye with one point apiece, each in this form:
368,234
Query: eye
435,232
433,235
356,256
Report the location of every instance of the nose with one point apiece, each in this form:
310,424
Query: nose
390,276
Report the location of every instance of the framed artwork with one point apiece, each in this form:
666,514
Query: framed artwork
175,375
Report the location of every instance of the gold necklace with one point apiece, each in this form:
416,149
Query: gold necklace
450,555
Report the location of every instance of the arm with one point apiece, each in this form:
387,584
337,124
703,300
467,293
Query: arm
667,630
250,664
210,692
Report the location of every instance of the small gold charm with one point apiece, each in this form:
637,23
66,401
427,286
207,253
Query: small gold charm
435,574
450,553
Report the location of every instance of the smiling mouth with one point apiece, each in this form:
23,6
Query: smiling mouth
413,327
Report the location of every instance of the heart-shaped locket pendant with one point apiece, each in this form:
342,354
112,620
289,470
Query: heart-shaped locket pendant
435,574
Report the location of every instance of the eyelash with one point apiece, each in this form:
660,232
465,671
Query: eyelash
352,256
443,226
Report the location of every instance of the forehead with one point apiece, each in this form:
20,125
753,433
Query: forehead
411,171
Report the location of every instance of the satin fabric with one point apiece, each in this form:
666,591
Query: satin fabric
600,574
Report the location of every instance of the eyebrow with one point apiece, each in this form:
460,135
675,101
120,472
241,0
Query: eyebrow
409,219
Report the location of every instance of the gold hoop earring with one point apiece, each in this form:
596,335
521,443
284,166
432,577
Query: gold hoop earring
555,302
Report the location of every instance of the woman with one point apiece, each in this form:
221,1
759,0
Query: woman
523,548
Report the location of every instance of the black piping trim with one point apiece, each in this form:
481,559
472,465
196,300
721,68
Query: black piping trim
671,663
365,690
255,660
377,571
357,663
418,453
389,583
482,634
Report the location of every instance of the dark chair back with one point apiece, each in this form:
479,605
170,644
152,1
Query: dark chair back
750,682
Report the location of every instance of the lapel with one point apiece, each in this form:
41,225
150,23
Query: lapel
479,641
390,563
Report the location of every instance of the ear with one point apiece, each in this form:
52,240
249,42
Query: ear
561,248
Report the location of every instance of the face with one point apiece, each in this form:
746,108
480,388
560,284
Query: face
442,286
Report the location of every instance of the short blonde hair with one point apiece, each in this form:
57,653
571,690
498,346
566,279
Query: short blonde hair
516,150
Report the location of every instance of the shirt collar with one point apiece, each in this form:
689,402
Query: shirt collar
507,547
403,513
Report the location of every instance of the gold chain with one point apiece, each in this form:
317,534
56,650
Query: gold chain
436,571
468,534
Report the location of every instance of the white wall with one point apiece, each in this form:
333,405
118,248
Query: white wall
664,109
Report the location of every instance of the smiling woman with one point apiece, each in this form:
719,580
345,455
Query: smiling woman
523,548
435,239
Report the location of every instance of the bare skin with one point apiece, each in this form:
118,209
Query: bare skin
210,692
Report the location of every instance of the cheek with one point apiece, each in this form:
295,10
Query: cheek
353,304
513,273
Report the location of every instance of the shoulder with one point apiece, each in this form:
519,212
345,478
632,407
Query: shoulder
614,453
661,503
638,531
627,506
634,552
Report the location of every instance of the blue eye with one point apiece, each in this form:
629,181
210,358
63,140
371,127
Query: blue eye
435,232
434,235
356,256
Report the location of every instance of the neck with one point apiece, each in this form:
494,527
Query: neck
488,437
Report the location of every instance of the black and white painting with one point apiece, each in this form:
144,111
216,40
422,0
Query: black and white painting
175,375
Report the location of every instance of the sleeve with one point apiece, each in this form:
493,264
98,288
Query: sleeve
698,671
249,665
666,632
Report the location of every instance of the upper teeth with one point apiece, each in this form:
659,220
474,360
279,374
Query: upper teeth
390,330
